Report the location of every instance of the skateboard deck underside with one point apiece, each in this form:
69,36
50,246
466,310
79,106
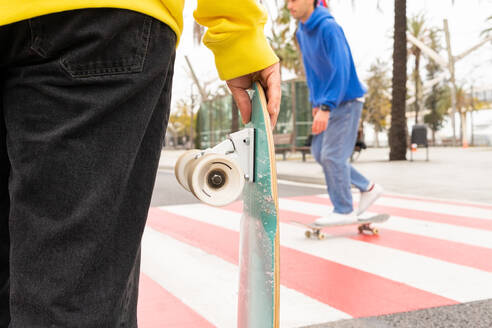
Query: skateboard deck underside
258,304
364,226
379,218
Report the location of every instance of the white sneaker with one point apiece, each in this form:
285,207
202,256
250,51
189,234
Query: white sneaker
367,198
336,219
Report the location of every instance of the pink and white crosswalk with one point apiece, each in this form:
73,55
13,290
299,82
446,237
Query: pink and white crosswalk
430,253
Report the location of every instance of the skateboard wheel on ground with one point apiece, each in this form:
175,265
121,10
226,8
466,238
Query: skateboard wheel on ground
321,236
215,179
307,234
179,167
368,228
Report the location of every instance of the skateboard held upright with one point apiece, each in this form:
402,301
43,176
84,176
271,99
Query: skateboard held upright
245,164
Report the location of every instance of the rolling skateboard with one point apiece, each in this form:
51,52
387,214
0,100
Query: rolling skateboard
364,226
245,164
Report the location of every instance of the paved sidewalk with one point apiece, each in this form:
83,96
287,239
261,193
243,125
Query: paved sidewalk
451,173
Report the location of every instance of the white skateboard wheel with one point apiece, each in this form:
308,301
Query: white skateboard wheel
215,179
180,166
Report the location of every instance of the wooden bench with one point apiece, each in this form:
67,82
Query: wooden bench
284,142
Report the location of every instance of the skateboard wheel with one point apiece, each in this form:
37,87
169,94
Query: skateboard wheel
321,236
307,234
375,231
215,179
180,166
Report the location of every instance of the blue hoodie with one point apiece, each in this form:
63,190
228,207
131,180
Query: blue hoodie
330,69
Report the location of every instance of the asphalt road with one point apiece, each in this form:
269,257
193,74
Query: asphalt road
468,315
167,191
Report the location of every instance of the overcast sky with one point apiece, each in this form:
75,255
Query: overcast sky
369,31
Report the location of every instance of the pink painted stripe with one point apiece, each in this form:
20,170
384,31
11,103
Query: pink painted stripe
440,201
449,251
158,308
475,223
323,280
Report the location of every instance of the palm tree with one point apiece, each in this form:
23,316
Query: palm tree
284,43
487,30
377,102
398,131
416,26
435,118
462,101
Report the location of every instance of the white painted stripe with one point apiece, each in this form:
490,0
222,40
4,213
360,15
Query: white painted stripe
209,285
444,200
225,219
301,184
189,274
449,280
465,211
449,232
460,234
299,310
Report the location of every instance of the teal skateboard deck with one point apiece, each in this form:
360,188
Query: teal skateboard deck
216,176
259,284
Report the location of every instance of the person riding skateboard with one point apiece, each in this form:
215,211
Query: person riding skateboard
335,92
85,89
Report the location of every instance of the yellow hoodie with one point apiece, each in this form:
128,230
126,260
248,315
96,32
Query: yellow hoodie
235,28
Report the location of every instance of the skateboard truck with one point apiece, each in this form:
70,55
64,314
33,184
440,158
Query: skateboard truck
216,175
240,146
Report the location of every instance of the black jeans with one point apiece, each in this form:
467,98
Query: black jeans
84,103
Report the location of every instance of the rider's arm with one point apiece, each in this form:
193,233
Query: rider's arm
235,36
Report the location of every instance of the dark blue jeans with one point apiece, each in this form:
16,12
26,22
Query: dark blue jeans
84,103
332,149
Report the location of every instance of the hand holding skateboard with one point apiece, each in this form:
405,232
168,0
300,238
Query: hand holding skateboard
269,78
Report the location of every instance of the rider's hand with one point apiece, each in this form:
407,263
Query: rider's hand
270,80
320,122
315,110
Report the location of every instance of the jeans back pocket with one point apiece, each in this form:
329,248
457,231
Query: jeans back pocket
93,42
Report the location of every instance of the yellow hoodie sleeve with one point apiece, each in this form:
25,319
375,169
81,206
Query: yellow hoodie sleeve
235,36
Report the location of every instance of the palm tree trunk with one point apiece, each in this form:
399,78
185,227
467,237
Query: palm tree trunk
398,130
417,87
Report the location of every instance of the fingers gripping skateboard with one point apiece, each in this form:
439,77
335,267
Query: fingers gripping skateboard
214,179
